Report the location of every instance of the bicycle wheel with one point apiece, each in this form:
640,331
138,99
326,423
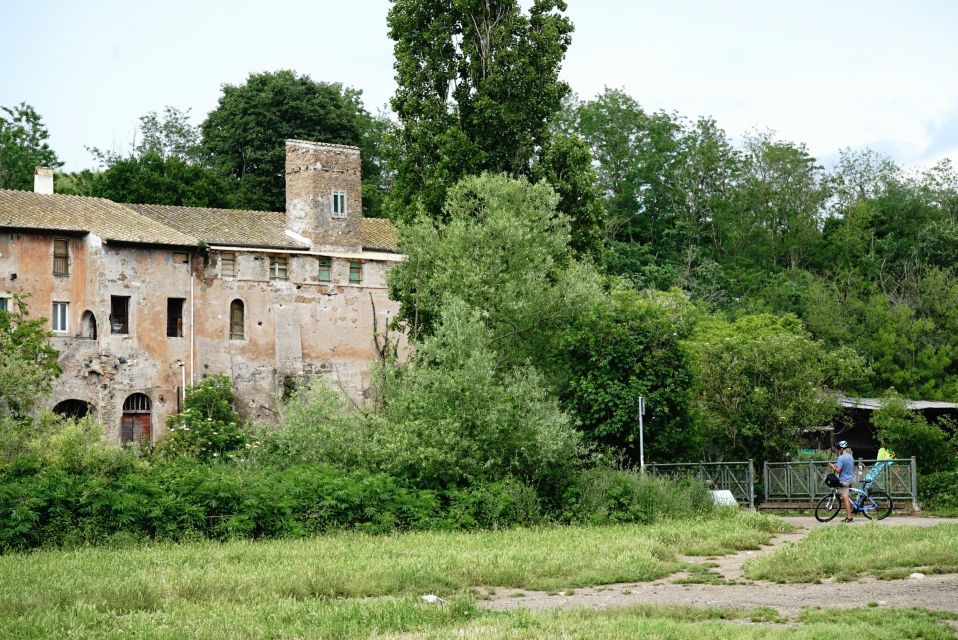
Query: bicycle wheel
828,507
877,505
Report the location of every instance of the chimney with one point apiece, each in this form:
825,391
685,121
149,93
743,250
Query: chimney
43,181
324,194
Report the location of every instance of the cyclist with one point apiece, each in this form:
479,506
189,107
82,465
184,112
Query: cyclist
845,469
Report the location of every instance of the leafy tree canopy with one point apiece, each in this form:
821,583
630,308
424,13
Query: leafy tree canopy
23,147
28,364
244,135
477,82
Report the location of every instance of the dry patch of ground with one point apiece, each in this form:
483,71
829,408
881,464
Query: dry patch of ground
729,587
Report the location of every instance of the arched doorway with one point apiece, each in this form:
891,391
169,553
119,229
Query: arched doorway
136,425
88,325
72,408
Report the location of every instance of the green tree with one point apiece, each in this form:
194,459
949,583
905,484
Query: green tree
908,433
164,166
566,164
153,179
761,380
245,134
477,83
627,347
28,364
208,428
23,147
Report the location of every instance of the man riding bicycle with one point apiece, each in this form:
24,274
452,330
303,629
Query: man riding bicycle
845,469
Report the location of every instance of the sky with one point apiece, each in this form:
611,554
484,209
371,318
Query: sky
830,74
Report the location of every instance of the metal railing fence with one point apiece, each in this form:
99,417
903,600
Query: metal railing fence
737,477
805,481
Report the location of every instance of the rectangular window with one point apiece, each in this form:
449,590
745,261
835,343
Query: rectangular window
174,317
355,272
181,257
60,316
237,321
228,265
325,265
278,268
61,257
3,304
120,314
339,204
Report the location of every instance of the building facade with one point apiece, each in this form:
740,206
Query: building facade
143,300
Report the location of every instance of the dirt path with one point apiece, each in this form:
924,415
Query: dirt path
931,592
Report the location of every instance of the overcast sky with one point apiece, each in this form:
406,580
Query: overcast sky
831,74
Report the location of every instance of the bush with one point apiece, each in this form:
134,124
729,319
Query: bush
939,491
604,496
208,427
908,433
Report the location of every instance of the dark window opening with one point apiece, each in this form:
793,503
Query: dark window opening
72,408
135,425
237,320
61,257
181,257
120,314
3,304
174,317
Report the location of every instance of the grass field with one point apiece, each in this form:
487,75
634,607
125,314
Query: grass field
845,553
349,585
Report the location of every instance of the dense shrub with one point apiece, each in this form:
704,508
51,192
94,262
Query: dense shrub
939,491
604,496
908,433
207,428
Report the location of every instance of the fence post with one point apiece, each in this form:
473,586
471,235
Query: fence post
914,484
765,478
750,478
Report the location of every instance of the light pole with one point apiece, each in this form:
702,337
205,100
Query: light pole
641,437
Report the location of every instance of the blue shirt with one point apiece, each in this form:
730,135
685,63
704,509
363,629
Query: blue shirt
846,468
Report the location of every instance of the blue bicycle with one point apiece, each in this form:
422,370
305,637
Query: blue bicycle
875,504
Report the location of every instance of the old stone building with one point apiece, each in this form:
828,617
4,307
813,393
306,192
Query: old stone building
144,298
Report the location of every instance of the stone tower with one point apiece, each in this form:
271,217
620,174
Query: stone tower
324,194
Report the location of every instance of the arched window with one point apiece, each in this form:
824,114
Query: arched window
136,424
237,320
88,325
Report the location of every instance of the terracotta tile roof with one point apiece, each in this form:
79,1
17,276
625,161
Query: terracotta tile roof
379,234
105,218
235,227
169,225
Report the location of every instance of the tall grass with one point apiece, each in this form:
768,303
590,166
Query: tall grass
845,553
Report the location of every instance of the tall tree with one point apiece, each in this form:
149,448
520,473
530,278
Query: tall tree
164,165
477,82
23,146
244,135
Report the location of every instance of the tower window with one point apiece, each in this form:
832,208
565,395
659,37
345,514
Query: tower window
120,314
237,320
174,317
339,204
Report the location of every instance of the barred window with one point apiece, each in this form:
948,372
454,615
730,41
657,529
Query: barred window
61,257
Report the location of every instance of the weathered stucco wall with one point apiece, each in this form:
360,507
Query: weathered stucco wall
296,329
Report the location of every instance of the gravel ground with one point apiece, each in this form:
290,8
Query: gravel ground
938,592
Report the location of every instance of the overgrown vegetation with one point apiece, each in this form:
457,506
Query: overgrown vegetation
845,553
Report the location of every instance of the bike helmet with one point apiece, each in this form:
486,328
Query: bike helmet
843,444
